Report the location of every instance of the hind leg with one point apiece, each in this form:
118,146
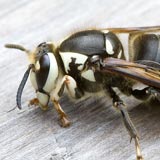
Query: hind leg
120,106
146,93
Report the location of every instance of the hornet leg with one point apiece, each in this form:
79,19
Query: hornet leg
146,93
119,105
41,100
63,117
72,89
33,102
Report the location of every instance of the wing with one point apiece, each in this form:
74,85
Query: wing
134,29
145,74
153,64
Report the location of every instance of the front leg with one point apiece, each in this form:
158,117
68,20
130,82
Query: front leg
35,102
41,101
119,105
63,116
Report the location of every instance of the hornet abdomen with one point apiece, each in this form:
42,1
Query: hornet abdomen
144,47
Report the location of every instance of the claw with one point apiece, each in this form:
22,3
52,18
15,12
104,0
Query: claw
140,158
63,117
34,102
44,108
65,122
119,105
138,151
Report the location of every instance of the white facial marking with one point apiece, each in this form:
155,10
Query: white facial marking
66,58
120,54
109,47
89,75
53,73
33,80
43,98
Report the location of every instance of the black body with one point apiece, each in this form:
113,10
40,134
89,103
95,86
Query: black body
142,47
91,42
145,47
85,42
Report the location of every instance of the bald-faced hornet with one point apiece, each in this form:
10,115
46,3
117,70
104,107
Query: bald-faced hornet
91,61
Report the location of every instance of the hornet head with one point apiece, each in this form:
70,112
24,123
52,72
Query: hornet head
35,59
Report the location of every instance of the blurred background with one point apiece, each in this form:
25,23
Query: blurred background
96,132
